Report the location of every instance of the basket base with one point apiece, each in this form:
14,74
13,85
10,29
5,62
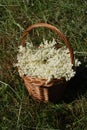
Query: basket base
56,92
42,93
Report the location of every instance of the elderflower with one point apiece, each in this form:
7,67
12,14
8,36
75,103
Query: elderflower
45,61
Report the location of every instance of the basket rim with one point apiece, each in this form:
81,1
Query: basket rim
42,82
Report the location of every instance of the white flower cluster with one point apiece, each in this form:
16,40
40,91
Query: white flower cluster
45,61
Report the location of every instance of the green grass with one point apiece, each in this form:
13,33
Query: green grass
17,110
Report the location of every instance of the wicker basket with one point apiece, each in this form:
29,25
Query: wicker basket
37,87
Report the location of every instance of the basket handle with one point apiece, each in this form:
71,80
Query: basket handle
53,28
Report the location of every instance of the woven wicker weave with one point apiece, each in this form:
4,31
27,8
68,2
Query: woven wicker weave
37,87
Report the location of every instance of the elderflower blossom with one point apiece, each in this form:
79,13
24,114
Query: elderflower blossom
45,61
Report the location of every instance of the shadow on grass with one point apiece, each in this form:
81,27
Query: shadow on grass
77,86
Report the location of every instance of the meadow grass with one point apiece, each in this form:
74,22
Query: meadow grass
17,110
